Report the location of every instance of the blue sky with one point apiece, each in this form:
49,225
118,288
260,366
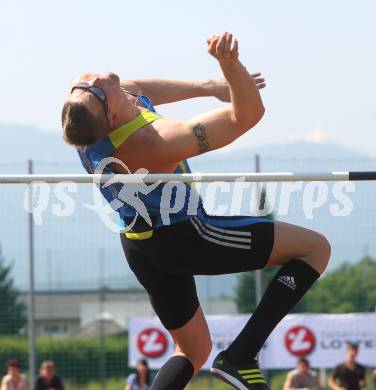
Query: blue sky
318,57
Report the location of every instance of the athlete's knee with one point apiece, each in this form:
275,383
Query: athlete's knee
320,254
324,250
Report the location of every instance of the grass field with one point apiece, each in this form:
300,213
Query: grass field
118,384
202,382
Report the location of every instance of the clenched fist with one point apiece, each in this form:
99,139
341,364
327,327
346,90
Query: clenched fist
223,47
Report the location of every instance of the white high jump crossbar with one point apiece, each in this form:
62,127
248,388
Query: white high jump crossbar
188,177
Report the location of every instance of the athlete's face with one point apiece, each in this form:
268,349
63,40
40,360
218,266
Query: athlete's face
109,83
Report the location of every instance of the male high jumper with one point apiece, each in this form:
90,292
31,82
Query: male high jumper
104,118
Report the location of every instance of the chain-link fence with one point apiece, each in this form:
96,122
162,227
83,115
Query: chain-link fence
85,291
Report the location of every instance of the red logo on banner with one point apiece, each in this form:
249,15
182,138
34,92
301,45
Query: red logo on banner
152,343
300,341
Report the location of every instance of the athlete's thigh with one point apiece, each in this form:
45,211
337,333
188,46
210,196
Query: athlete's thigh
291,241
226,245
211,245
173,297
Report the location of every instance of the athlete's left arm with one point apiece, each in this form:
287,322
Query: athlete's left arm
168,91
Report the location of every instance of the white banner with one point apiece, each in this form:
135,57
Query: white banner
322,338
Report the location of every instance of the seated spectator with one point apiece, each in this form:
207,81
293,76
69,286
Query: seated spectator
141,379
374,378
302,377
47,379
14,380
349,375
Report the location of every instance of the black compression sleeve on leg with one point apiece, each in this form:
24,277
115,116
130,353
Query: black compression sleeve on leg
174,374
286,289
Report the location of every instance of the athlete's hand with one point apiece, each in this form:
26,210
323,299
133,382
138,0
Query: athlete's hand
260,81
222,92
223,47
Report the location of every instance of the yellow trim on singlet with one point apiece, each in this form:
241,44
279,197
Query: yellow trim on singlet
121,134
183,167
139,236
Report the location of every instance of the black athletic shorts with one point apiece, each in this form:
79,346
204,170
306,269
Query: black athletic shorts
166,262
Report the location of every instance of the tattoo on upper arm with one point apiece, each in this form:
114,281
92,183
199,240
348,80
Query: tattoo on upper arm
200,133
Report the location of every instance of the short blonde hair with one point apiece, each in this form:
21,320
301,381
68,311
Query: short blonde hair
81,127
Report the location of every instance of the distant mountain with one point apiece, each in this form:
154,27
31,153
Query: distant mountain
307,151
302,149
20,142
72,251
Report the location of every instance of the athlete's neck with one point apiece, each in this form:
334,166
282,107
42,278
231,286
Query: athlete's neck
126,111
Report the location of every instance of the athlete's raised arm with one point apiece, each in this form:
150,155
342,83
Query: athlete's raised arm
162,91
169,141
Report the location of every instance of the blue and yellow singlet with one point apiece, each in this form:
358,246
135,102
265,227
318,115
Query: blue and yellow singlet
92,155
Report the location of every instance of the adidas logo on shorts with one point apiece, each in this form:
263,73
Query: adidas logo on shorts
288,281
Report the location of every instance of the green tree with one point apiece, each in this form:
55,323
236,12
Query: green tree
350,288
12,312
246,289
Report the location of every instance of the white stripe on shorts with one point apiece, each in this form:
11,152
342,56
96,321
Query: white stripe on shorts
205,234
206,229
233,232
